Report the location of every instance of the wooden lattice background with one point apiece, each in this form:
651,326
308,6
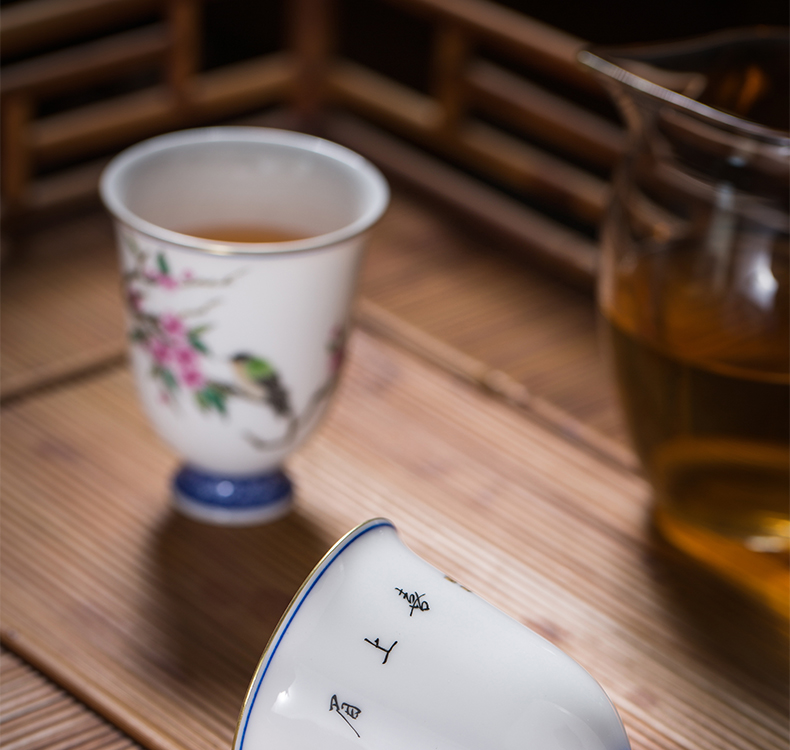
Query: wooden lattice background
505,101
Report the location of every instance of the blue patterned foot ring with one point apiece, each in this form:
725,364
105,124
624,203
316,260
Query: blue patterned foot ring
233,501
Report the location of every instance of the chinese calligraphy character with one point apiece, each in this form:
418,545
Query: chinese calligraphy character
415,601
381,648
345,711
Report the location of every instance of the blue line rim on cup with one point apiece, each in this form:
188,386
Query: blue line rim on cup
290,613
374,180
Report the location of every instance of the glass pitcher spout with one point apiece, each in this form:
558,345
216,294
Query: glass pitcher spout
737,79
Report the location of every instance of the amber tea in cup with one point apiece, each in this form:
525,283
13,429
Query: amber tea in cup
252,233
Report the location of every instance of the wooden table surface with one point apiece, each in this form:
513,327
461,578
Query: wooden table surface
475,413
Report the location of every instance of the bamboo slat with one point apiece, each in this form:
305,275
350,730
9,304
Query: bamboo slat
382,323
37,715
157,622
60,310
426,269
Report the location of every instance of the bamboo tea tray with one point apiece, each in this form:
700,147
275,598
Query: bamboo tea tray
482,434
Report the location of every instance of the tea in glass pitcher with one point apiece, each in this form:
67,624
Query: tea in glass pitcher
694,291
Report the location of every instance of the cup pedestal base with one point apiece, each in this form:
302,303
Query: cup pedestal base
232,501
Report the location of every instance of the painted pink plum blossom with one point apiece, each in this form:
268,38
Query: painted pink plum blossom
176,350
176,353
162,276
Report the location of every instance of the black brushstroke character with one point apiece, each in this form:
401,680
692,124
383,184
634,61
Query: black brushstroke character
345,710
415,601
381,648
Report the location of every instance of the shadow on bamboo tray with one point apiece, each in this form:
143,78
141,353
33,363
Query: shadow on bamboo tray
223,590
719,621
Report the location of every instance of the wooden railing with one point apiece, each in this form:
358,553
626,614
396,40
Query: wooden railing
547,146
168,45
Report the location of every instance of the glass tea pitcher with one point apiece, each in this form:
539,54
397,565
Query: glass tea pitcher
693,291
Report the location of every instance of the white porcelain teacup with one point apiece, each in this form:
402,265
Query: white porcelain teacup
380,650
239,250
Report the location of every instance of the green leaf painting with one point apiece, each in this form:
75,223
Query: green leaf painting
212,397
194,337
162,264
